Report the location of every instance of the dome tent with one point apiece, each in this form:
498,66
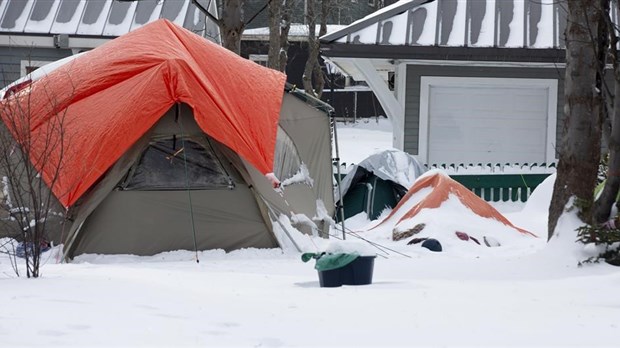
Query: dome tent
378,182
167,132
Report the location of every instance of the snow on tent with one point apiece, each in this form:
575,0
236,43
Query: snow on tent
378,182
172,142
467,217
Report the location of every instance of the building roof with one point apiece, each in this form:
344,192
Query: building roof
107,18
459,23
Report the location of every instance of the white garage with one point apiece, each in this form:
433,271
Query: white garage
487,120
463,81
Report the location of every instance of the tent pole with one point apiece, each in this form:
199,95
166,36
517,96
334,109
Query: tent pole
339,207
332,113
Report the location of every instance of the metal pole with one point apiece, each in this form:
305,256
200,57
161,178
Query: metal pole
355,107
340,207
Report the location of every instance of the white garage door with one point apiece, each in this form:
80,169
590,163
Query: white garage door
471,120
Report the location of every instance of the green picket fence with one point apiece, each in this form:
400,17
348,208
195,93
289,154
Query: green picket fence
493,183
501,187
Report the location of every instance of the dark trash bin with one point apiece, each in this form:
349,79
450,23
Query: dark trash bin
358,272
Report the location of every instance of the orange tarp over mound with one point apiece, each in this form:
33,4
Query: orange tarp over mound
109,97
443,186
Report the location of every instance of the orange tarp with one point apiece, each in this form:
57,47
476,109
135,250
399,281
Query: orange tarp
442,186
109,97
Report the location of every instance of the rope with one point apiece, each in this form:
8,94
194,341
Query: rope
284,229
189,192
383,251
380,247
376,245
281,193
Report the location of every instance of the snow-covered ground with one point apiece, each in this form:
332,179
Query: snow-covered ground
526,293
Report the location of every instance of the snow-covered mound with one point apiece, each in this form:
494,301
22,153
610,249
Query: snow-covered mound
439,207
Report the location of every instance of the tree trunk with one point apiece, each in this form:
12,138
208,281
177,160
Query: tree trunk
286,26
313,48
232,24
612,185
579,152
325,6
275,17
607,198
319,79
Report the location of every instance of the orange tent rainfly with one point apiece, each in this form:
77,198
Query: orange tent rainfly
109,97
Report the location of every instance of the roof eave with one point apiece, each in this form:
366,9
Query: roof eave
493,54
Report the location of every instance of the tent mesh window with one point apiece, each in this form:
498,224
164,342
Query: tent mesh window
286,158
174,164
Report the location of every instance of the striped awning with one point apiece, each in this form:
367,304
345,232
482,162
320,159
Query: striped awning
107,18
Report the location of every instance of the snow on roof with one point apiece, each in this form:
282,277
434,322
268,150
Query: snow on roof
297,29
462,23
96,17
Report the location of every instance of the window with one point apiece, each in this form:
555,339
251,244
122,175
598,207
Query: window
173,164
260,59
28,66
